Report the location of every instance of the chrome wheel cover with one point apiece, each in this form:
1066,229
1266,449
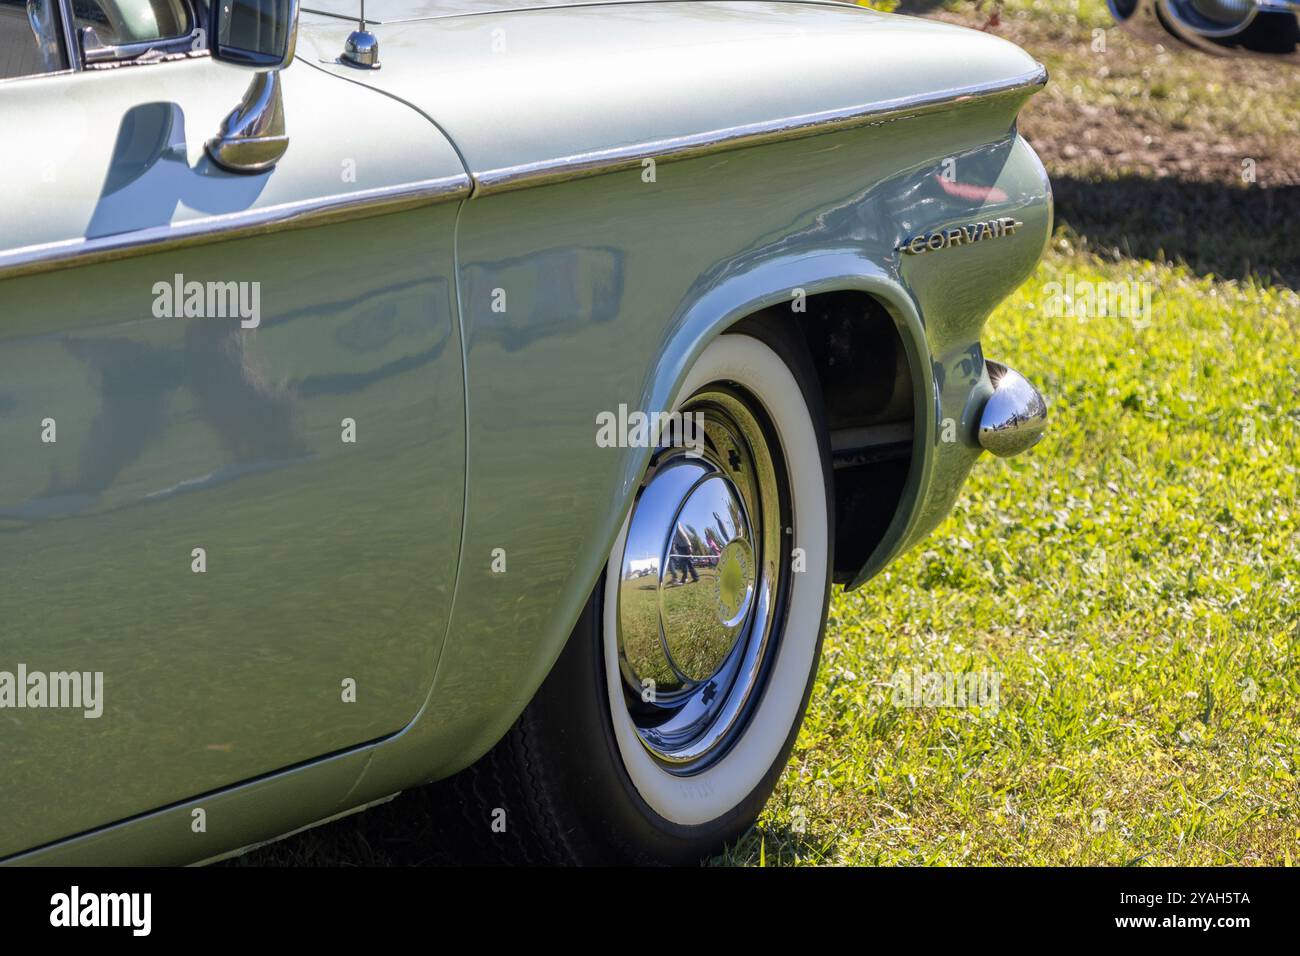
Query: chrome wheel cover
701,586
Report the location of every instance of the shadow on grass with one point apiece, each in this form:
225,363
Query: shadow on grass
1229,231
414,829
409,830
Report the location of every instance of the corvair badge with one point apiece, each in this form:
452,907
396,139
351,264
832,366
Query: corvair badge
960,235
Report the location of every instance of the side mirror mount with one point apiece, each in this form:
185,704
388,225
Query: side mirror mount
259,35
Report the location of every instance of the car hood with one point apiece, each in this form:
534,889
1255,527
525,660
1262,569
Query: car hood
526,89
396,11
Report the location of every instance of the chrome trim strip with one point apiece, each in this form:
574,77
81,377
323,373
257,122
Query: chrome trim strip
433,14
36,76
341,16
594,163
300,214
295,215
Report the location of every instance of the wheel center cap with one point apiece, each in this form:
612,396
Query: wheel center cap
735,582
689,578
707,580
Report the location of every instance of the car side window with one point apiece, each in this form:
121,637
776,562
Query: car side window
120,22
30,43
104,33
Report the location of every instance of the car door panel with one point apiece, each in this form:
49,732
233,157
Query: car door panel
312,447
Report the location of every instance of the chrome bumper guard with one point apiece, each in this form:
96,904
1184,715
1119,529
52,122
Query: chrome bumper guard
1015,415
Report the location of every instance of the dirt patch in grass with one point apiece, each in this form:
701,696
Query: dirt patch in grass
1158,153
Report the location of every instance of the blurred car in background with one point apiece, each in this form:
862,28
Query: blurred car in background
1262,28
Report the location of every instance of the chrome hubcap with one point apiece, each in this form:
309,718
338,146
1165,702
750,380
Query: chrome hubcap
701,583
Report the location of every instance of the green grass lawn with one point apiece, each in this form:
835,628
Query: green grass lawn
1133,582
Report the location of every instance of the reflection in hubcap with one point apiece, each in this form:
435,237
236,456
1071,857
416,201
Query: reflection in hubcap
699,585
697,634
735,582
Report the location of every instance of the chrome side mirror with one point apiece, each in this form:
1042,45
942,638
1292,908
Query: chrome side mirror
259,35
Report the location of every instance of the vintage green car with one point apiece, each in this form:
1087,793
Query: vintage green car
493,387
